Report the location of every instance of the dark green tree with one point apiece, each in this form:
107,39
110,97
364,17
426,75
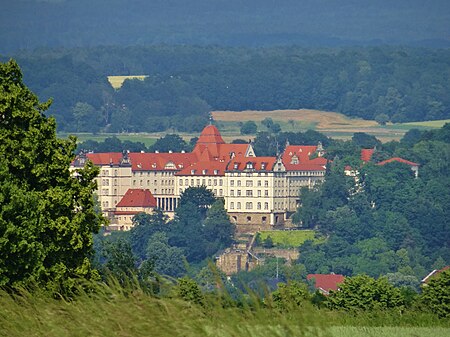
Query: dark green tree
170,142
47,214
249,128
435,294
365,293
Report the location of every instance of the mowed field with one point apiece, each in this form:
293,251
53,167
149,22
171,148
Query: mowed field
117,81
332,124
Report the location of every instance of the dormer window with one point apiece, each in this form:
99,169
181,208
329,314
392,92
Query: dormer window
249,165
203,172
294,160
192,171
263,166
236,166
216,172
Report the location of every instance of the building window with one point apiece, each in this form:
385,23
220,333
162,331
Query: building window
259,193
220,182
249,219
258,205
231,205
181,182
238,205
186,182
238,193
198,182
232,193
248,205
203,181
215,182
264,219
220,192
266,205
209,182
192,182
155,182
266,193
249,183
134,182
239,183
266,183
259,183
249,193
231,182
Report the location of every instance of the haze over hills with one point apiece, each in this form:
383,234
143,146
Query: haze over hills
26,24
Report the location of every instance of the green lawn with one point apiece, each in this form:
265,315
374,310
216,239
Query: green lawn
147,139
428,124
288,238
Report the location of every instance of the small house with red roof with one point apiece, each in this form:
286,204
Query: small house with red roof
133,202
326,282
414,166
435,273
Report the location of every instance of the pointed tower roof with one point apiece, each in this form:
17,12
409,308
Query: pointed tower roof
209,135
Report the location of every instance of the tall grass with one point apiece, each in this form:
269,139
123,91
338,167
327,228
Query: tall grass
113,310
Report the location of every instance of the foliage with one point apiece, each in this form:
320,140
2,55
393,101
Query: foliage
47,215
188,290
362,292
249,128
290,296
435,294
167,260
170,142
405,84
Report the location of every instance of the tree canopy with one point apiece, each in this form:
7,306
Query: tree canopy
47,214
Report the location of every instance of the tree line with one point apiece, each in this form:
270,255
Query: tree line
399,84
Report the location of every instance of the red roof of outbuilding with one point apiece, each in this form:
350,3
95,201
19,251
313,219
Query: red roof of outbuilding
326,282
398,159
137,198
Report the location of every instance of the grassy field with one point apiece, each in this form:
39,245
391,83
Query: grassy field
133,314
288,238
332,124
428,124
147,139
117,81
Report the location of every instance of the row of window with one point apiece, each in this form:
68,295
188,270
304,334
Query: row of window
211,182
249,205
249,193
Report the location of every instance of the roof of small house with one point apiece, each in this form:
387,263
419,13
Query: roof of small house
137,198
434,273
398,159
326,282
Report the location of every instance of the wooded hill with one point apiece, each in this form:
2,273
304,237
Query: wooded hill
185,83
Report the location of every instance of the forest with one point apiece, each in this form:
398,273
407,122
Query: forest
27,24
184,83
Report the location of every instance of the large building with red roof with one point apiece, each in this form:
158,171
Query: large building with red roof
260,191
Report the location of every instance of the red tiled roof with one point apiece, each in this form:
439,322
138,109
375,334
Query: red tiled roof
137,198
366,154
348,168
398,159
301,154
326,282
258,163
105,158
434,273
210,134
160,161
208,167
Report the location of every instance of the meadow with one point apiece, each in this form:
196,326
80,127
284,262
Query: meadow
117,81
124,312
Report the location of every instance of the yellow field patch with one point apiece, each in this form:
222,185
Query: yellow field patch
117,81
322,119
